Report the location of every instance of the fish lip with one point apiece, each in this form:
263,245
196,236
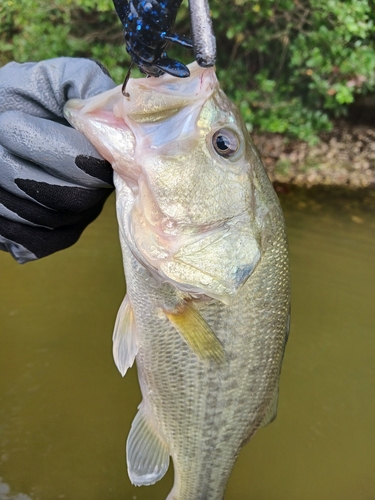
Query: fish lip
153,99
167,83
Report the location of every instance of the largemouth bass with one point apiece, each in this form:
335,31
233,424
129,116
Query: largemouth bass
206,311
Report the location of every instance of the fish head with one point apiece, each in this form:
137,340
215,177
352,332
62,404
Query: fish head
188,198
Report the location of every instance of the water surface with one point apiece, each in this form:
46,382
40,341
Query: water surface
65,411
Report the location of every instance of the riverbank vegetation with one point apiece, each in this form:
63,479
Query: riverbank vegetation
293,66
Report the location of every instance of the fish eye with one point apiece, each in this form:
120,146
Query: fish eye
225,142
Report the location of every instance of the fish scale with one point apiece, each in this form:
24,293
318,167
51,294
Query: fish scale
206,311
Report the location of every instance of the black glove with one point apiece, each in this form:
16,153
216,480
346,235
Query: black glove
53,182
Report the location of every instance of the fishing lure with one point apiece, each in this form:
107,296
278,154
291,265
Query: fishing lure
148,26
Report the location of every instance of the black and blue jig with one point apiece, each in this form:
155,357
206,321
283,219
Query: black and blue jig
148,26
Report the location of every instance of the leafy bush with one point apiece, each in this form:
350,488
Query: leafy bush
32,30
296,64
291,65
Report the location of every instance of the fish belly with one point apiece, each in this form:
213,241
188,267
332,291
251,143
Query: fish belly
204,411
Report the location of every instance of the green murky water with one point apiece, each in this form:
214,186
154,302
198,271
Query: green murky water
65,411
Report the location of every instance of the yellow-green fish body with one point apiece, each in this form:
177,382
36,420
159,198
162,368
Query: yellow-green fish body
206,266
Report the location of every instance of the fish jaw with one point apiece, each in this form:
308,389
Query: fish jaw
95,118
186,214
109,120
156,99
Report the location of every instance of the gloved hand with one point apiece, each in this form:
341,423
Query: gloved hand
53,182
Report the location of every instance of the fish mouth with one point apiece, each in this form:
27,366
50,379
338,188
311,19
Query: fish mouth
199,79
154,99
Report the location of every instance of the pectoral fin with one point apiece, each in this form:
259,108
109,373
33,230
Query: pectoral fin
146,454
124,338
196,332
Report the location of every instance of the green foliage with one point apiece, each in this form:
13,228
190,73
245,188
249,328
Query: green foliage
32,30
291,65
294,65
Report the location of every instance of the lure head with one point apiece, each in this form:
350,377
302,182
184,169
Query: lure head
190,205
147,29
142,35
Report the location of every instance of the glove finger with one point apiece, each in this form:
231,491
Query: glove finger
65,198
12,168
27,181
27,243
19,252
96,167
29,213
59,150
41,89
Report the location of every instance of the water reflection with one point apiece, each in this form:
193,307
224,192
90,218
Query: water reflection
65,411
